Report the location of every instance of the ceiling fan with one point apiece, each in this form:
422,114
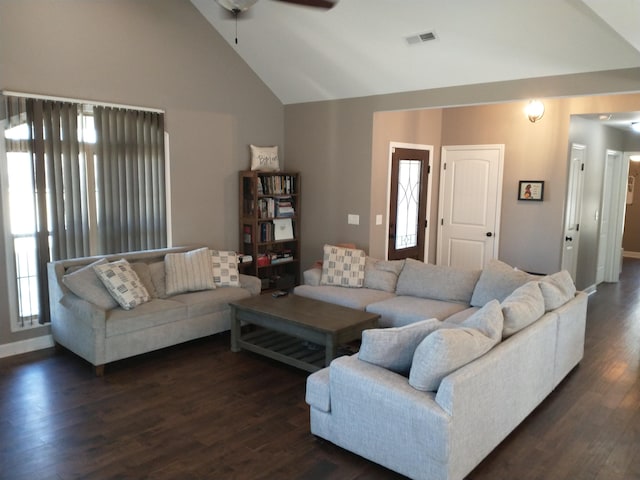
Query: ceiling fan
235,7
239,6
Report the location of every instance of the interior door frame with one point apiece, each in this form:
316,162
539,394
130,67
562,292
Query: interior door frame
412,146
617,189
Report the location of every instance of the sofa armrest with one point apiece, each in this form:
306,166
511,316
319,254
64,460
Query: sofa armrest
84,311
312,276
251,283
378,408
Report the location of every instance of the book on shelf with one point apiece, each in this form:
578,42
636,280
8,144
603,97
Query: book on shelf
247,234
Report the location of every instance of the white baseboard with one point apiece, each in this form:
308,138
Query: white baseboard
625,253
24,346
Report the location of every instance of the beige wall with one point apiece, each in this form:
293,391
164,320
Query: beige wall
421,127
319,134
155,53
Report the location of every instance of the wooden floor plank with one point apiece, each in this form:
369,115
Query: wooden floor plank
199,411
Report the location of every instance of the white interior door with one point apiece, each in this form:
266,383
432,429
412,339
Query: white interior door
470,203
606,204
571,241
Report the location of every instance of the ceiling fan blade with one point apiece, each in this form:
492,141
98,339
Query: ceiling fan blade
327,4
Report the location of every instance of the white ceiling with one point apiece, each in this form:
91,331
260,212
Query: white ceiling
359,47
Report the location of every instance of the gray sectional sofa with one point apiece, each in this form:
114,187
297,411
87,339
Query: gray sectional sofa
101,332
465,357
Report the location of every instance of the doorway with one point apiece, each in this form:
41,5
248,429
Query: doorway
409,187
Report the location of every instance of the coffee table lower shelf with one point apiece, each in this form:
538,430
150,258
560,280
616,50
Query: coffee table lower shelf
284,348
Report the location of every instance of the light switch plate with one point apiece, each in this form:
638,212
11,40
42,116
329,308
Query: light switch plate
353,219
378,219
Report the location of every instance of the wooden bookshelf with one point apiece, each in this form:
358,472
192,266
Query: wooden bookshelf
270,227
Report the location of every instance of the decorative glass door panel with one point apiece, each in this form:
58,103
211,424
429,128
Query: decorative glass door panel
407,211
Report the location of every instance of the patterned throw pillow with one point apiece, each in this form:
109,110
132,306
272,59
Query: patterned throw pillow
225,268
123,283
189,271
343,267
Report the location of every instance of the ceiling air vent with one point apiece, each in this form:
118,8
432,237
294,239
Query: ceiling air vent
421,38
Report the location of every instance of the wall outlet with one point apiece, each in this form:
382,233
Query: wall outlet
353,219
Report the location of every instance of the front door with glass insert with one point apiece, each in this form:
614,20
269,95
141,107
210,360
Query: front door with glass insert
408,203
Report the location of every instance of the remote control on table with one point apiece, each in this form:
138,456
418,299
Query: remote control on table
279,293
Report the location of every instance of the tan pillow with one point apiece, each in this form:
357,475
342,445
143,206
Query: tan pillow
265,159
189,271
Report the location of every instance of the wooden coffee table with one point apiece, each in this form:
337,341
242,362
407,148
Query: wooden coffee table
298,331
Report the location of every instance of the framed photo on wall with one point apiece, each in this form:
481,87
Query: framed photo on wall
531,190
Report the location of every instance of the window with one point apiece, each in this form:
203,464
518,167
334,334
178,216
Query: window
80,180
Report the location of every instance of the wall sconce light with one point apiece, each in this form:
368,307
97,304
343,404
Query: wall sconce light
534,110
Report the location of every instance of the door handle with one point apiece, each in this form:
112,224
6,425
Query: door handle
568,239
489,234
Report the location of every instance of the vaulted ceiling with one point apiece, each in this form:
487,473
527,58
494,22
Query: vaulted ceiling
367,47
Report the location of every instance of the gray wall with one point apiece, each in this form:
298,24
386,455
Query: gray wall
155,53
341,149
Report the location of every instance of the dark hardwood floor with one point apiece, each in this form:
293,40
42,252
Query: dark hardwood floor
199,411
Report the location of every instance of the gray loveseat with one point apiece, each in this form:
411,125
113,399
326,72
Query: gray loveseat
519,346
105,333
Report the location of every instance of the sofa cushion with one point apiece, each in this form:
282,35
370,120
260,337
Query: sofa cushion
382,274
357,298
85,284
189,271
393,348
437,282
524,306
225,268
400,310
145,316
557,289
123,283
497,281
343,267
210,301
447,349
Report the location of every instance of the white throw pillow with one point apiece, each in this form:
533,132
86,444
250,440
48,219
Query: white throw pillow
189,271
447,349
85,284
343,267
225,268
523,307
123,283
393,348
557,289
265,159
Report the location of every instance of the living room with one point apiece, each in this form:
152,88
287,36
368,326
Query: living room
164,54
